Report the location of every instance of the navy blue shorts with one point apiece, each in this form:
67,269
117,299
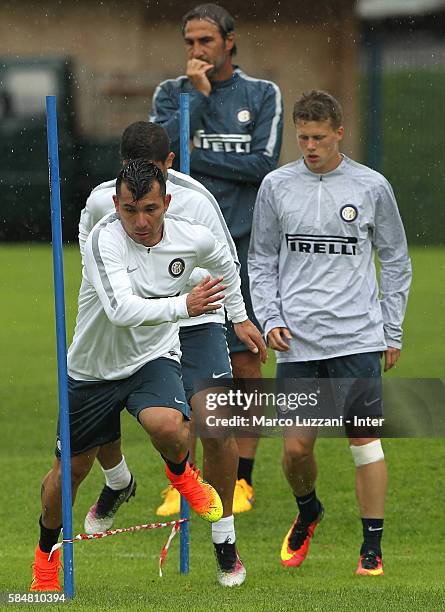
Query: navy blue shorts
204,355
95,407
356,385
234,343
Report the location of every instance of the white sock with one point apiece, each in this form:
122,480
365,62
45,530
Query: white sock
224,530
118,477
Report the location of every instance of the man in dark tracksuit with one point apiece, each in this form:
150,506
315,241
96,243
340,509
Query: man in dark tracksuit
236,131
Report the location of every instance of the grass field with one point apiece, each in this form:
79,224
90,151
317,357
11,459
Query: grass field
121,573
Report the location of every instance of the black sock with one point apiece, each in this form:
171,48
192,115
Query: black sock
245,467
372,535
176,468
48,537
309,506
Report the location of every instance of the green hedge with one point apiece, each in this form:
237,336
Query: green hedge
413,148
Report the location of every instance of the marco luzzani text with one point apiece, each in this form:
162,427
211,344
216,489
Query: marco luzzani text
286,404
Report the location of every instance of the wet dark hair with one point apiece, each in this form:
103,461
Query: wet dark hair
215,14
145,140
139,176
317,105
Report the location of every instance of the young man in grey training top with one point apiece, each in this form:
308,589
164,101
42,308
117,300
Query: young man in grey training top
317,223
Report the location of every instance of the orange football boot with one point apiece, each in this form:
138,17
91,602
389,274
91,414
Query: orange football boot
296,543
45,576
201,496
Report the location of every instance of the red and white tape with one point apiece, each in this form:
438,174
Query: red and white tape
111,532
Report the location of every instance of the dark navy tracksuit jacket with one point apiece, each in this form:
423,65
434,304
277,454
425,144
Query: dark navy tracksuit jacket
237,134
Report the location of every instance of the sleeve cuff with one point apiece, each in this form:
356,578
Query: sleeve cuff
240,318
239,315
273,323
181,307
393,343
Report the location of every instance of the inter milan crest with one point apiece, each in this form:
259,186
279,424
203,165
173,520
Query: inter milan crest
243,115
349,213
176,267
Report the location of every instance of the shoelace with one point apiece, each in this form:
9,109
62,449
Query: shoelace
298,535
191,472
195,472
46,574
226,555
370,560
187,485
107,499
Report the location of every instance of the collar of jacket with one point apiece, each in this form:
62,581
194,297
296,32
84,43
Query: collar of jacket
317,175
228,82
163,242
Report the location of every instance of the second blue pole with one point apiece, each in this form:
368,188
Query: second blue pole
184,145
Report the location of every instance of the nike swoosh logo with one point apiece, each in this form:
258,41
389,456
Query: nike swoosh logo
129,270
219,375
373,402
375,528
305,502
178,401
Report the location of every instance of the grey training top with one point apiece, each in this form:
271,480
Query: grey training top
311,260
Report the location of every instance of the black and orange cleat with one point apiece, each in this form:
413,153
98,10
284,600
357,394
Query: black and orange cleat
370,564
296,543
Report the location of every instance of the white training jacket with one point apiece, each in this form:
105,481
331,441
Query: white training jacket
189,199
311,261
130,296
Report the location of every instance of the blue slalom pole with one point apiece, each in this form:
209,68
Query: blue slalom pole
184,140
62,373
